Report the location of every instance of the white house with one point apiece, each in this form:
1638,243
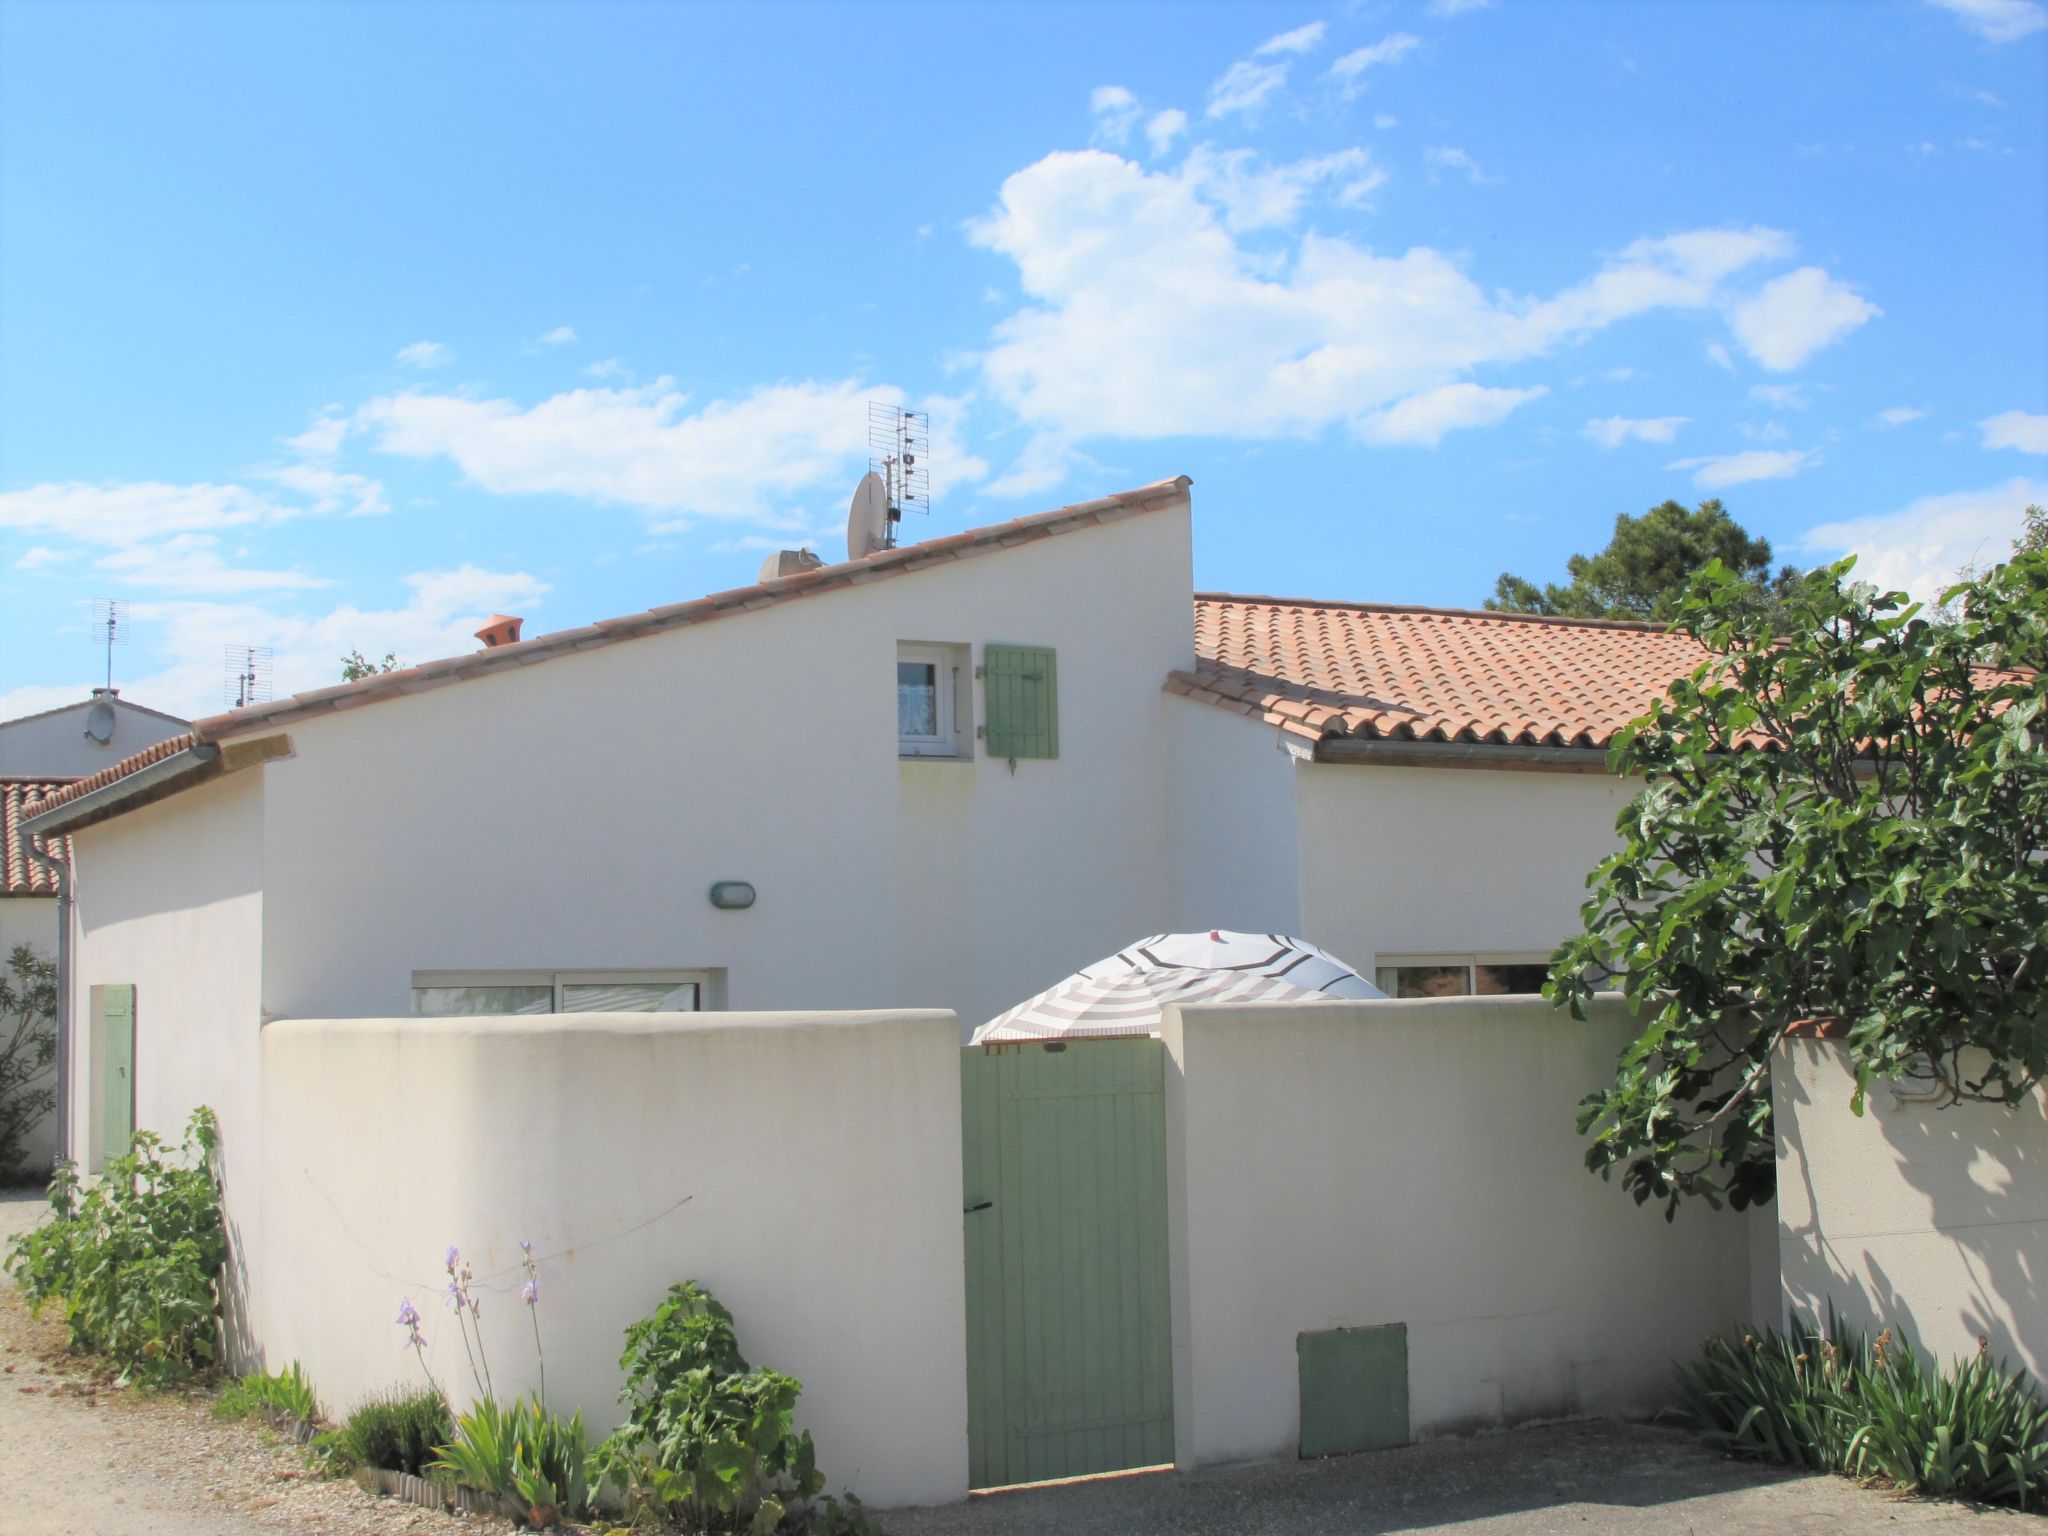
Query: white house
539,825
936,777
39,755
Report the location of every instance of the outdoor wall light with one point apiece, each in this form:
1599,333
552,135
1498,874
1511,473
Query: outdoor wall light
732,895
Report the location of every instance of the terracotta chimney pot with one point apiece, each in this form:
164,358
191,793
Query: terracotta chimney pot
500,629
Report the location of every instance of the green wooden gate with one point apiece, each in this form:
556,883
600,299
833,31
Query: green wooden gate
1069,1347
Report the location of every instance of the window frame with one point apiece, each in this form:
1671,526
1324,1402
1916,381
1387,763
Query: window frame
949,663
703,979
1470,960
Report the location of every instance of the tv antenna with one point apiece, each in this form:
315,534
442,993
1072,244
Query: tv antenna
109,629
248,676
900,450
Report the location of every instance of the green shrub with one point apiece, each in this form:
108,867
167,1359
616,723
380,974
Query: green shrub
289,1392
135,1259
1833,1402
399,1432
709,1442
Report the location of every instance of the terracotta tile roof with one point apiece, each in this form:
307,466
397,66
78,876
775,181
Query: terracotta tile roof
504,658
155,752
21,875
1323,670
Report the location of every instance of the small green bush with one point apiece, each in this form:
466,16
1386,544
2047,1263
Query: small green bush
524,1455
710,1443
135,1259
289,1391
399,1432
1833,1402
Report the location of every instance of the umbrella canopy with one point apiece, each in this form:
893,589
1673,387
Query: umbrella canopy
1128,993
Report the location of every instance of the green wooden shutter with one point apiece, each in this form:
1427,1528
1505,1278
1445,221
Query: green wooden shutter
113,1017
1021,692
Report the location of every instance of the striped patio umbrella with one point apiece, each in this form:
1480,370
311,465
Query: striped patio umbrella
1127,993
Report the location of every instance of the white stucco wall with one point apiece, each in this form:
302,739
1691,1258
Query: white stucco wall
572,814
169,900
1236,861
804,1168
1407,861
32,920
1357,1164
1932,1220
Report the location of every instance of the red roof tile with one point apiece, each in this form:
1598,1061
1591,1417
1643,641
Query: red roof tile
1321,670
21,875
155,752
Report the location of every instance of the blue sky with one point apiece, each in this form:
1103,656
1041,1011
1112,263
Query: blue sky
341,326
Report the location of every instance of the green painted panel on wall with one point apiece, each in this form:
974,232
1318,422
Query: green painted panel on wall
113,1017
1069,1346
1354,1389
1020,701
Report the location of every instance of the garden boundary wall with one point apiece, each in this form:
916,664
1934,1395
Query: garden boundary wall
1354,1165
1930,1218
805,1167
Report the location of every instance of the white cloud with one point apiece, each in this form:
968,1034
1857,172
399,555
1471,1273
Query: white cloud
1920,548
190,563
1794,316
1718,356
1116,112
640,447
1998,21
1349,71
1424,418
1613,431
1246,87
1448,157
1252,194
1781,397
560,336
1145,317
1304,39
322,440
425,354
438,618
1899,415
1164,128
1385,120
1714,471
609,368
331,490
1448,8
40,557
2016,429
134,512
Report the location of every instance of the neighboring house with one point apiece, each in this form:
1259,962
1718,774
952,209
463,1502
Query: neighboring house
950,774
39,755
75,740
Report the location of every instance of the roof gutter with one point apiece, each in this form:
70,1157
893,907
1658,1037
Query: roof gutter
1379,752
167,776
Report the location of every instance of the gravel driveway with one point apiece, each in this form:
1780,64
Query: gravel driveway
76,1460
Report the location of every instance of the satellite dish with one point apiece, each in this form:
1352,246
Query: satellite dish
867,523
99,722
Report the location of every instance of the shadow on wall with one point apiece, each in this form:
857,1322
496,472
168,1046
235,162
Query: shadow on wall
1931,1218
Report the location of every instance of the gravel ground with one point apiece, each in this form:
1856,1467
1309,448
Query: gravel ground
79,1459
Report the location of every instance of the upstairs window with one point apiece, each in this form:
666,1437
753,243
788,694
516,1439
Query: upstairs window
450,994
928,713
